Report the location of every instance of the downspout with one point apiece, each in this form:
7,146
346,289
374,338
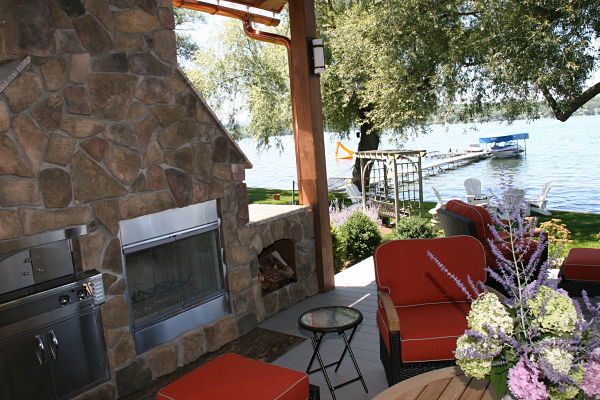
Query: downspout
267,37
215,9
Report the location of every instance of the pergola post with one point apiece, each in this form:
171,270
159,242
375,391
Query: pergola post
308,134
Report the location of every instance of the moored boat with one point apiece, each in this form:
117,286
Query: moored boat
505,146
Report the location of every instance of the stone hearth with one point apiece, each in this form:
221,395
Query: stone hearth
102,126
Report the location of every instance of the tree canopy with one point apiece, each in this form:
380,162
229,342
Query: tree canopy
395,64
246,82
186,46
399,62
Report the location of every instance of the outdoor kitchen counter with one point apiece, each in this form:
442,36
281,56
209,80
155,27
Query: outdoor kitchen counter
261,213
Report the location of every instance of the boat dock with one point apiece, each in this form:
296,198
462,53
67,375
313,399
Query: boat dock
444,162
438,164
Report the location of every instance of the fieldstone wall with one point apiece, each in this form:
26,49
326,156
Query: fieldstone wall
295,223
102,126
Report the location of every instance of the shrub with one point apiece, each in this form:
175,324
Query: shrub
412,228
338,253
358,237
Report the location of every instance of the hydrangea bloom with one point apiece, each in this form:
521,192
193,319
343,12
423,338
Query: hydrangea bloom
561,360
553,311
524,383
468,359
591,381
567,392
487,310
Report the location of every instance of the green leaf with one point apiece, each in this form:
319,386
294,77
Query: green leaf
499,380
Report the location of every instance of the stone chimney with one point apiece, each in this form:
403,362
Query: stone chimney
98,125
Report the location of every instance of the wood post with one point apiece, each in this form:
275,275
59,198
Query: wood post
308,133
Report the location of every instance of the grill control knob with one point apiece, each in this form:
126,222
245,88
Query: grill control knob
64,300
82,294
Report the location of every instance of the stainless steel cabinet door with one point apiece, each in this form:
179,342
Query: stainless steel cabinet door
24,369
77,355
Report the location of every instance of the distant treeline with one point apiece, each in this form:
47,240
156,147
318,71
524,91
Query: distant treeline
592,107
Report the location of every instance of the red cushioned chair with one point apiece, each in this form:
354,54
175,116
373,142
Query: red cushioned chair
233,377
581,271
465,219
421,311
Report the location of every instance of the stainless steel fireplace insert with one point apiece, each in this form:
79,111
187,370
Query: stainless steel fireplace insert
175,272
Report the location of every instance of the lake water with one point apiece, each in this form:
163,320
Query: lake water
566,153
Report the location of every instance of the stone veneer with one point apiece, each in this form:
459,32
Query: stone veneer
102,126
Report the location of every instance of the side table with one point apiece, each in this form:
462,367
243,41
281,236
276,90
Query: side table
336,319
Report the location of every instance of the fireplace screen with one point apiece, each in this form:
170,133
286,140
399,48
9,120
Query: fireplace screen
170,275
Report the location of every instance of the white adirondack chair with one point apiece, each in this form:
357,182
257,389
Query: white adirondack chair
539,205
434,211
474,196
515,198
440,202
353,193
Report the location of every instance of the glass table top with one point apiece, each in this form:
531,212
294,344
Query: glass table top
330,319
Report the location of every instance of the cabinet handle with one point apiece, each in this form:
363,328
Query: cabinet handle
53,344
39,351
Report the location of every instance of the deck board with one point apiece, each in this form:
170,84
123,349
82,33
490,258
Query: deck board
356,288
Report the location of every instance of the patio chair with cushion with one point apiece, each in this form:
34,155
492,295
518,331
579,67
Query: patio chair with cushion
460,218
420,310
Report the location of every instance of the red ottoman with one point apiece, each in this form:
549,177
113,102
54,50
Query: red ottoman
233,377
581,270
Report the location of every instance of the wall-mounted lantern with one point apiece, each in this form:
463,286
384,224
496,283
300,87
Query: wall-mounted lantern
318,56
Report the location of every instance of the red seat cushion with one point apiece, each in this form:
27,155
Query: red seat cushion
404,270
428,332
582,265
507,252
233,377
480,216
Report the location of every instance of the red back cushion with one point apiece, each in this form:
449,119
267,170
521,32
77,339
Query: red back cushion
403,268
479,215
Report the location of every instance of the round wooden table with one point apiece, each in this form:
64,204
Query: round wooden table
442,384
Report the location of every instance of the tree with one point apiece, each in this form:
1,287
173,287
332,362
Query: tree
395,64
186,46
242,77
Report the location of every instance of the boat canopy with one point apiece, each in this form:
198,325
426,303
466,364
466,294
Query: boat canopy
503,138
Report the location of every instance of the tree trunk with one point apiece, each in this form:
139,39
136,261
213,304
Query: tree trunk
368,141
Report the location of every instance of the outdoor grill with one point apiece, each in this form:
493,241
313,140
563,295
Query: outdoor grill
51,342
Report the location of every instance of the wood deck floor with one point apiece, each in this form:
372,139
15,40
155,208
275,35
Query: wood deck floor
355,287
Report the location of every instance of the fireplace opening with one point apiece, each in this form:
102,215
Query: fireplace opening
171,277
175,272
277,266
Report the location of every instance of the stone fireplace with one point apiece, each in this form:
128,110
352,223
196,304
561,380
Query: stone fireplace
175,273
99,126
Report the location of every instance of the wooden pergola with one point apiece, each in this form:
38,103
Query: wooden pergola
306,109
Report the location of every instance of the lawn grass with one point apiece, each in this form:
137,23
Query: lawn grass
583,226
265,196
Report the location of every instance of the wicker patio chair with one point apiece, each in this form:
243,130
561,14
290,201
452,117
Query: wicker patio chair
421,312
460,218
